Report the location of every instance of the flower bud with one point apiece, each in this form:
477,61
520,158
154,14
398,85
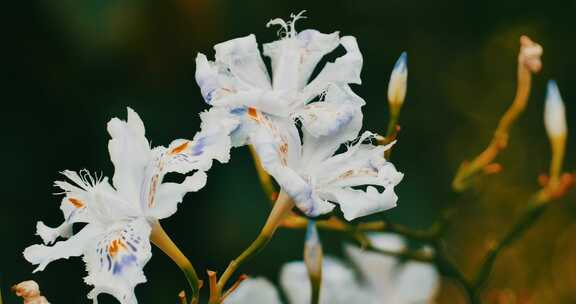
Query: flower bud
397,84
554,112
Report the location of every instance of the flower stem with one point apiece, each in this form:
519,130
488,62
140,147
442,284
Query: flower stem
499,141
160,238
281,208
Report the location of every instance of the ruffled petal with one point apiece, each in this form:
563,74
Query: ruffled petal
339,285
242,58
361,165
212,84
74,246
87,199
169,195
115,261
313,46
316,149
254,291
130,153
273,150
344,70
325,118
356,203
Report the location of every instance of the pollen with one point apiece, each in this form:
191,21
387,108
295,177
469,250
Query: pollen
180,148
76,202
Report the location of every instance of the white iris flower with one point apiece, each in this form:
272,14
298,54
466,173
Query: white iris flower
119,216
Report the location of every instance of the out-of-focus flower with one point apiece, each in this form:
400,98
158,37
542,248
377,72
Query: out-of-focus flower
329,111
115,242
29,291
384,279
554,112
398,83
393,281
254,291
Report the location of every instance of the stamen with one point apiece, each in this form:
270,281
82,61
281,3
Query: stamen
287,29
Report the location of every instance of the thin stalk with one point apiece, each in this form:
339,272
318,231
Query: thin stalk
281,209
518,230
528,63
160,238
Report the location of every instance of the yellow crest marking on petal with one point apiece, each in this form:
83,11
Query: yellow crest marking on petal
180,148
76,202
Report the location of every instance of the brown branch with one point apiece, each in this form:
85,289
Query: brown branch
528,63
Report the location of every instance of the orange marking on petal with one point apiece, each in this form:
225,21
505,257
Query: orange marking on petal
253,113
76,202
180,148
114,247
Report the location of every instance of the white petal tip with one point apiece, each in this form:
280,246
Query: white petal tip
398,81
554,112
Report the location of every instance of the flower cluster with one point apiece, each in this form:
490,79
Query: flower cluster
305,129
382,279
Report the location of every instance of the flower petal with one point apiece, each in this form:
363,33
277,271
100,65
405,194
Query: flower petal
423,275
394,282
130,153
272,148
42,255
344,70
242,58
254,291
115,261
328,117
285,57
356,203
339,285
313,46
169,195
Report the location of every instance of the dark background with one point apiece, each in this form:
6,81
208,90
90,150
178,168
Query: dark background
72,65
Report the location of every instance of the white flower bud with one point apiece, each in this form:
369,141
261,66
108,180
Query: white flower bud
554,112
398,79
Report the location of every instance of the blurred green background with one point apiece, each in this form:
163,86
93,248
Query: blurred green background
72,65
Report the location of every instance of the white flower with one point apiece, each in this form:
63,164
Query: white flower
554,112
389,280
383,280
254,291
329,111
115,242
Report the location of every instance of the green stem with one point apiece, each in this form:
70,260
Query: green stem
281,208
160,238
